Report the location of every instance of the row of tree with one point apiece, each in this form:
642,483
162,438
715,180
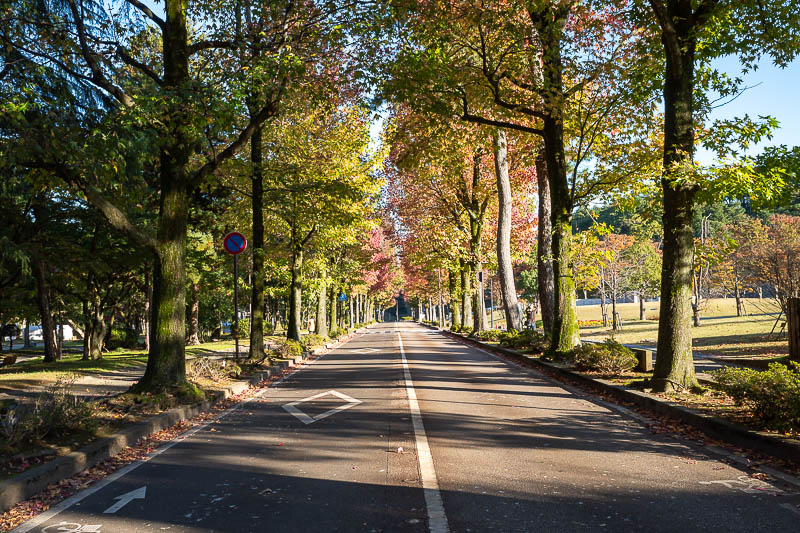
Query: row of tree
595,99
133,137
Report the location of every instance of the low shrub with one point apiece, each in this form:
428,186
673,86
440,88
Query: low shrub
610,357
773,394
312,340
489,335
527,339
335,333
288,348
56,411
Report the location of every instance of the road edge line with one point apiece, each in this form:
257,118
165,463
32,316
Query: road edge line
437,519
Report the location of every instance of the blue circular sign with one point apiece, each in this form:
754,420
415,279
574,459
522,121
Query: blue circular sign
234,243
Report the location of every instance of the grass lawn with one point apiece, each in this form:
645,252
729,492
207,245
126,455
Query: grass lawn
721,333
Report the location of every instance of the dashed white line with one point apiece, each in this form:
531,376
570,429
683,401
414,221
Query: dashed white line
437,519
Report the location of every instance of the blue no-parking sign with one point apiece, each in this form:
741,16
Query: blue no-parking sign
234,243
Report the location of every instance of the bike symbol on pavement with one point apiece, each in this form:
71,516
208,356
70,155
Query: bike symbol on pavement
72,527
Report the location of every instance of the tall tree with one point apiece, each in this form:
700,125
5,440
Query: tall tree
692,33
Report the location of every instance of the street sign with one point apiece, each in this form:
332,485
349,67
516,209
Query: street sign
234,243
342,297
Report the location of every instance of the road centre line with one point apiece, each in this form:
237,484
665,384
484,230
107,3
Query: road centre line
82,495
437,519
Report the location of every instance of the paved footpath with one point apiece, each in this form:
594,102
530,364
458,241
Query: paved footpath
402,429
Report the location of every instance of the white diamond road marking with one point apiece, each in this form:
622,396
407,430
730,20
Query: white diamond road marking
305,419
367,350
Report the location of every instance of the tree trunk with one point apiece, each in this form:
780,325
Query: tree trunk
614,321
565,334
166,362
466,293
295,295
334,303
256,350
194,316
148,308
322,318
641,307
352,319
45,314
455,306
96,327
674,368
544,250
86,329
737,293
26,335
505,270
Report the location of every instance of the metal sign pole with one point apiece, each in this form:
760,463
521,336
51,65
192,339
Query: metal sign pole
236,304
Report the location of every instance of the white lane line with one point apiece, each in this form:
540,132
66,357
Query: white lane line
437,519
80,496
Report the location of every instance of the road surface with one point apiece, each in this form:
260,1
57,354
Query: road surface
403,429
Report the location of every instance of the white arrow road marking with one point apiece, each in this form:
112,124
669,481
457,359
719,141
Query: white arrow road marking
366,350
305,419
125,499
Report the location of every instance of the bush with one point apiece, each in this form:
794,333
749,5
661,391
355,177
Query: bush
55,412
335,333
122,338
289,349
312,340
488,335
537,342
244,328
773,395
610,357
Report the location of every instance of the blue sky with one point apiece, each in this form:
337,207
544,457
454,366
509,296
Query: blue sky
774,93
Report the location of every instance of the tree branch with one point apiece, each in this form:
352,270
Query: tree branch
269,110
469,117
98,78
148,13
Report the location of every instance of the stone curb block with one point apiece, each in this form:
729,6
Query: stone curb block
35,480
736,434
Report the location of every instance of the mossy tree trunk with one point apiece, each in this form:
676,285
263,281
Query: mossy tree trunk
544,250
674,368
565,321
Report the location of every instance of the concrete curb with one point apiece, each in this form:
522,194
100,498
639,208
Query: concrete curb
35,480
780,447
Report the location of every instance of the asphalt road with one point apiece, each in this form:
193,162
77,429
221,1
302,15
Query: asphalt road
402,429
